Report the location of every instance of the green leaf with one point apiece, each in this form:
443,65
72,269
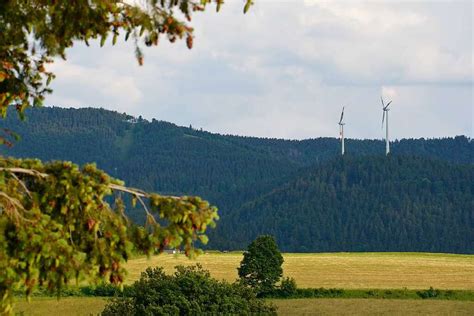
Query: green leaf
204,239
102,40
247,6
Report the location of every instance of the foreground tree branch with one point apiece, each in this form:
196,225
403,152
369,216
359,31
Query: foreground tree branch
60,222
57,222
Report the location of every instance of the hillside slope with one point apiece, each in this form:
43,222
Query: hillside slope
229,171
364,204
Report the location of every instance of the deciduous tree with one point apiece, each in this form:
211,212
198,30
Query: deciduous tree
60,223
261,266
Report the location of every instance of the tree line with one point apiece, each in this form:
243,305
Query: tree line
363,204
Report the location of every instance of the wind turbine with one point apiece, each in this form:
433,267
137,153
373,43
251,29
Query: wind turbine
385,114
341,130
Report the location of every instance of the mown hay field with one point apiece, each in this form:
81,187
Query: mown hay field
339,270
67,306
83,306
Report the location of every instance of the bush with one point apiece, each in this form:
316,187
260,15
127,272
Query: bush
322,292
261,266
288,287
430,293
190,291
103,290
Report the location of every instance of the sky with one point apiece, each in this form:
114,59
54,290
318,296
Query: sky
286,68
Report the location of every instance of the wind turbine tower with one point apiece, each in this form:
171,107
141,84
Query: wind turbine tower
385,114
341,131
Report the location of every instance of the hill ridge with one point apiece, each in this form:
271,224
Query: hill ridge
229,171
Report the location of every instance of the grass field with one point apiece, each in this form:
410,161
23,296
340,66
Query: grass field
372,307
76,306
341,270
330,270
87,306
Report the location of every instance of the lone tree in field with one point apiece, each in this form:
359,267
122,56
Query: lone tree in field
261,266
59,222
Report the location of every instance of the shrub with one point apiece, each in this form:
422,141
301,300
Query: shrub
103,290
371,293
430,293
190,291
322,292
288,287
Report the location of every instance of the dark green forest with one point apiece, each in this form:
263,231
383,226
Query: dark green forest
397,203
418,199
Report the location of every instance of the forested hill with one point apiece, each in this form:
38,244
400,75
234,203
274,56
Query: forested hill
229,171
364,204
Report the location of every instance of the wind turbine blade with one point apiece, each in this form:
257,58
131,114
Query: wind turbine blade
342,115
381,99
386,107
383,118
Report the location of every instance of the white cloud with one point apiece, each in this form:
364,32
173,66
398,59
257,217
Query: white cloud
389,92
286,68
95,84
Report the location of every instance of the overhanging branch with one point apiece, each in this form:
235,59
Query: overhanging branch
139,194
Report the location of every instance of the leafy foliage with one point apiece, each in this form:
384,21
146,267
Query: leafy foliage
429,293
261,266
288,287
57,225
190,291
34,32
